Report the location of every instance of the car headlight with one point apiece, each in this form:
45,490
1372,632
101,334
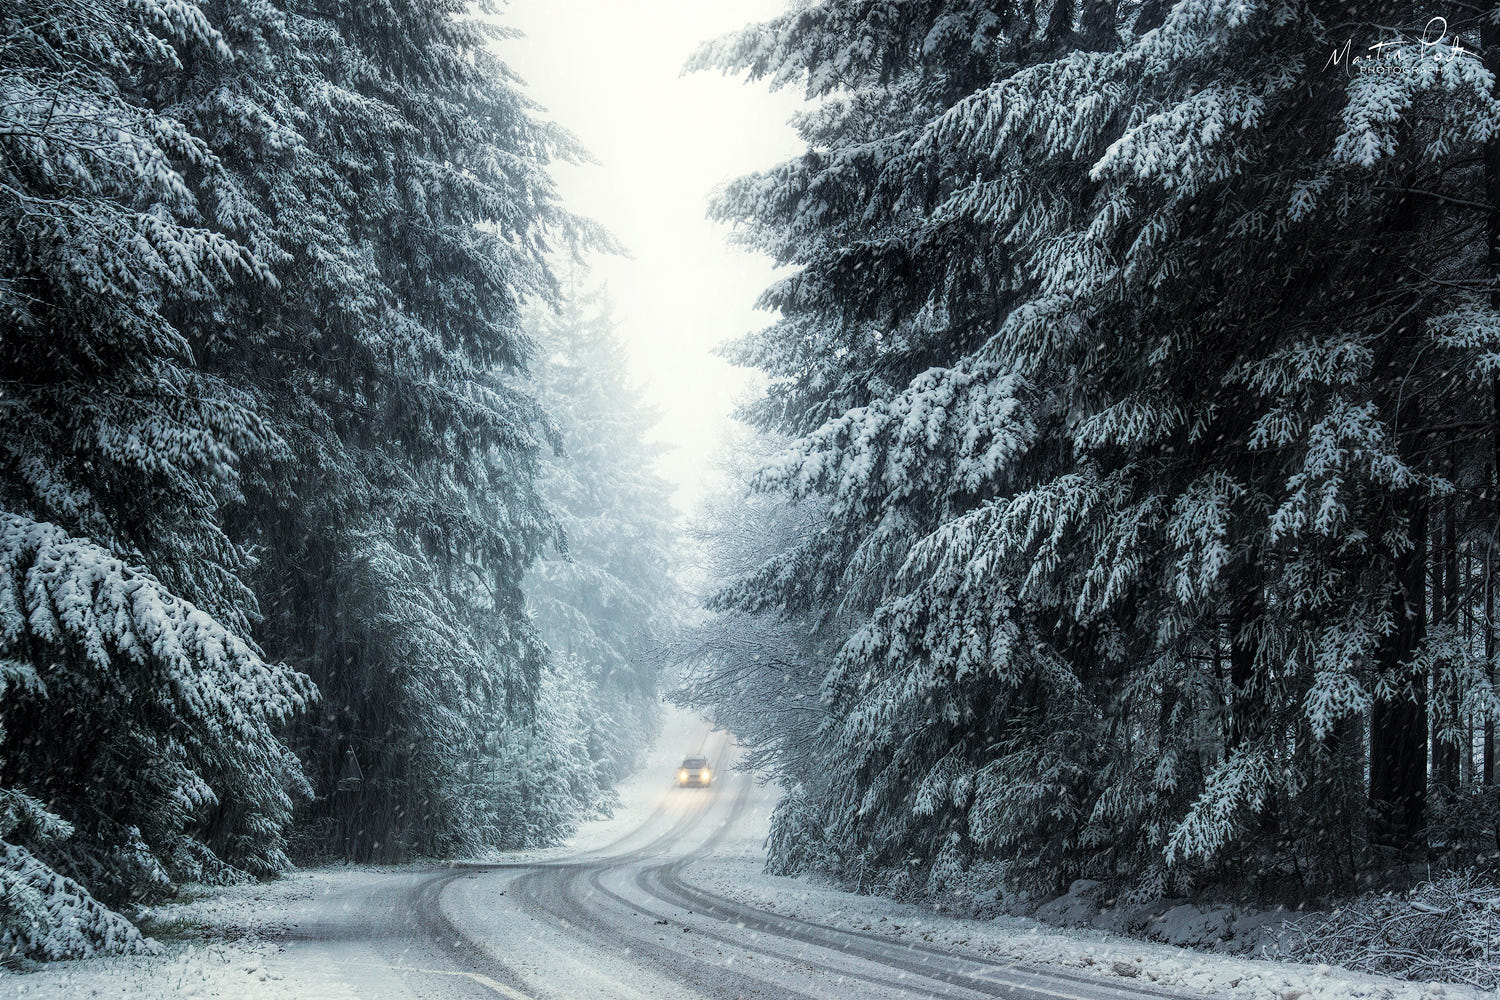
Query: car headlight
682,776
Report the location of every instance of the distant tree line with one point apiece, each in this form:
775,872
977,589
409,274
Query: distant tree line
1138,389
270,456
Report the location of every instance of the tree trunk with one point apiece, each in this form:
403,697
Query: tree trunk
1489,46
1445,612
1100,25
1489,654
1398,725
1151,15
1060,23
1247,708
1465,606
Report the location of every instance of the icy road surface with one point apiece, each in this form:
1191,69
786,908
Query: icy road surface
620,921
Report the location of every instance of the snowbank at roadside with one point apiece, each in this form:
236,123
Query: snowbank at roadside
219,943
1022,940
233,970
735,869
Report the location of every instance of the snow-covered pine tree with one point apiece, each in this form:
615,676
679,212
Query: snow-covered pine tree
760,675
884,292
133,707
608,602
1264,386
1202,359
405,207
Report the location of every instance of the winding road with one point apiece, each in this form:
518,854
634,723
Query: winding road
622,922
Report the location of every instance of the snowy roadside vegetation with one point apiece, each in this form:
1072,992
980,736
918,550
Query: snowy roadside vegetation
1096,952
1125,507
274,464
210,942
1447,930
1172,945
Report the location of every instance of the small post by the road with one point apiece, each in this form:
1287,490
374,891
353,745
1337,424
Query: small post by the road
351,780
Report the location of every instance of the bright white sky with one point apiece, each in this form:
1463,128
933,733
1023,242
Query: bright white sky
610,71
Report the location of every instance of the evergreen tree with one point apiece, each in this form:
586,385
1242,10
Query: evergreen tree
1136,384
262,281
608,600
403,200
884,291
133,708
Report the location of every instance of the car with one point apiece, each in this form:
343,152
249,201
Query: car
694,771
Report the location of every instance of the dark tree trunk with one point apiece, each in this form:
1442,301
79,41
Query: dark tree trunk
1060,23
1100,25
1445,611
1489,656
1454,751
1465,602
1247,709
1398,725
1151,15
1489,44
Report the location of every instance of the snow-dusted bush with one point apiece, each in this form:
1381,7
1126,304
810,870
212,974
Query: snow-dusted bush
44,915
799,839
191,861
1446,930
985,889
1075,908
1465,823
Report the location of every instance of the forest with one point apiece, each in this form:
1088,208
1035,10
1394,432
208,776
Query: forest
1123,501
1119,499
283,479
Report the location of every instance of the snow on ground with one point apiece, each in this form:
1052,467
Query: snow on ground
735,869
218,945
219,940
203,971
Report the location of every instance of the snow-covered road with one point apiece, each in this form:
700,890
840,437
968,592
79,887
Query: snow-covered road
621,921
667,899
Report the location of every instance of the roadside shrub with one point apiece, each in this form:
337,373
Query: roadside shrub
1445,930
1464,825
47,916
